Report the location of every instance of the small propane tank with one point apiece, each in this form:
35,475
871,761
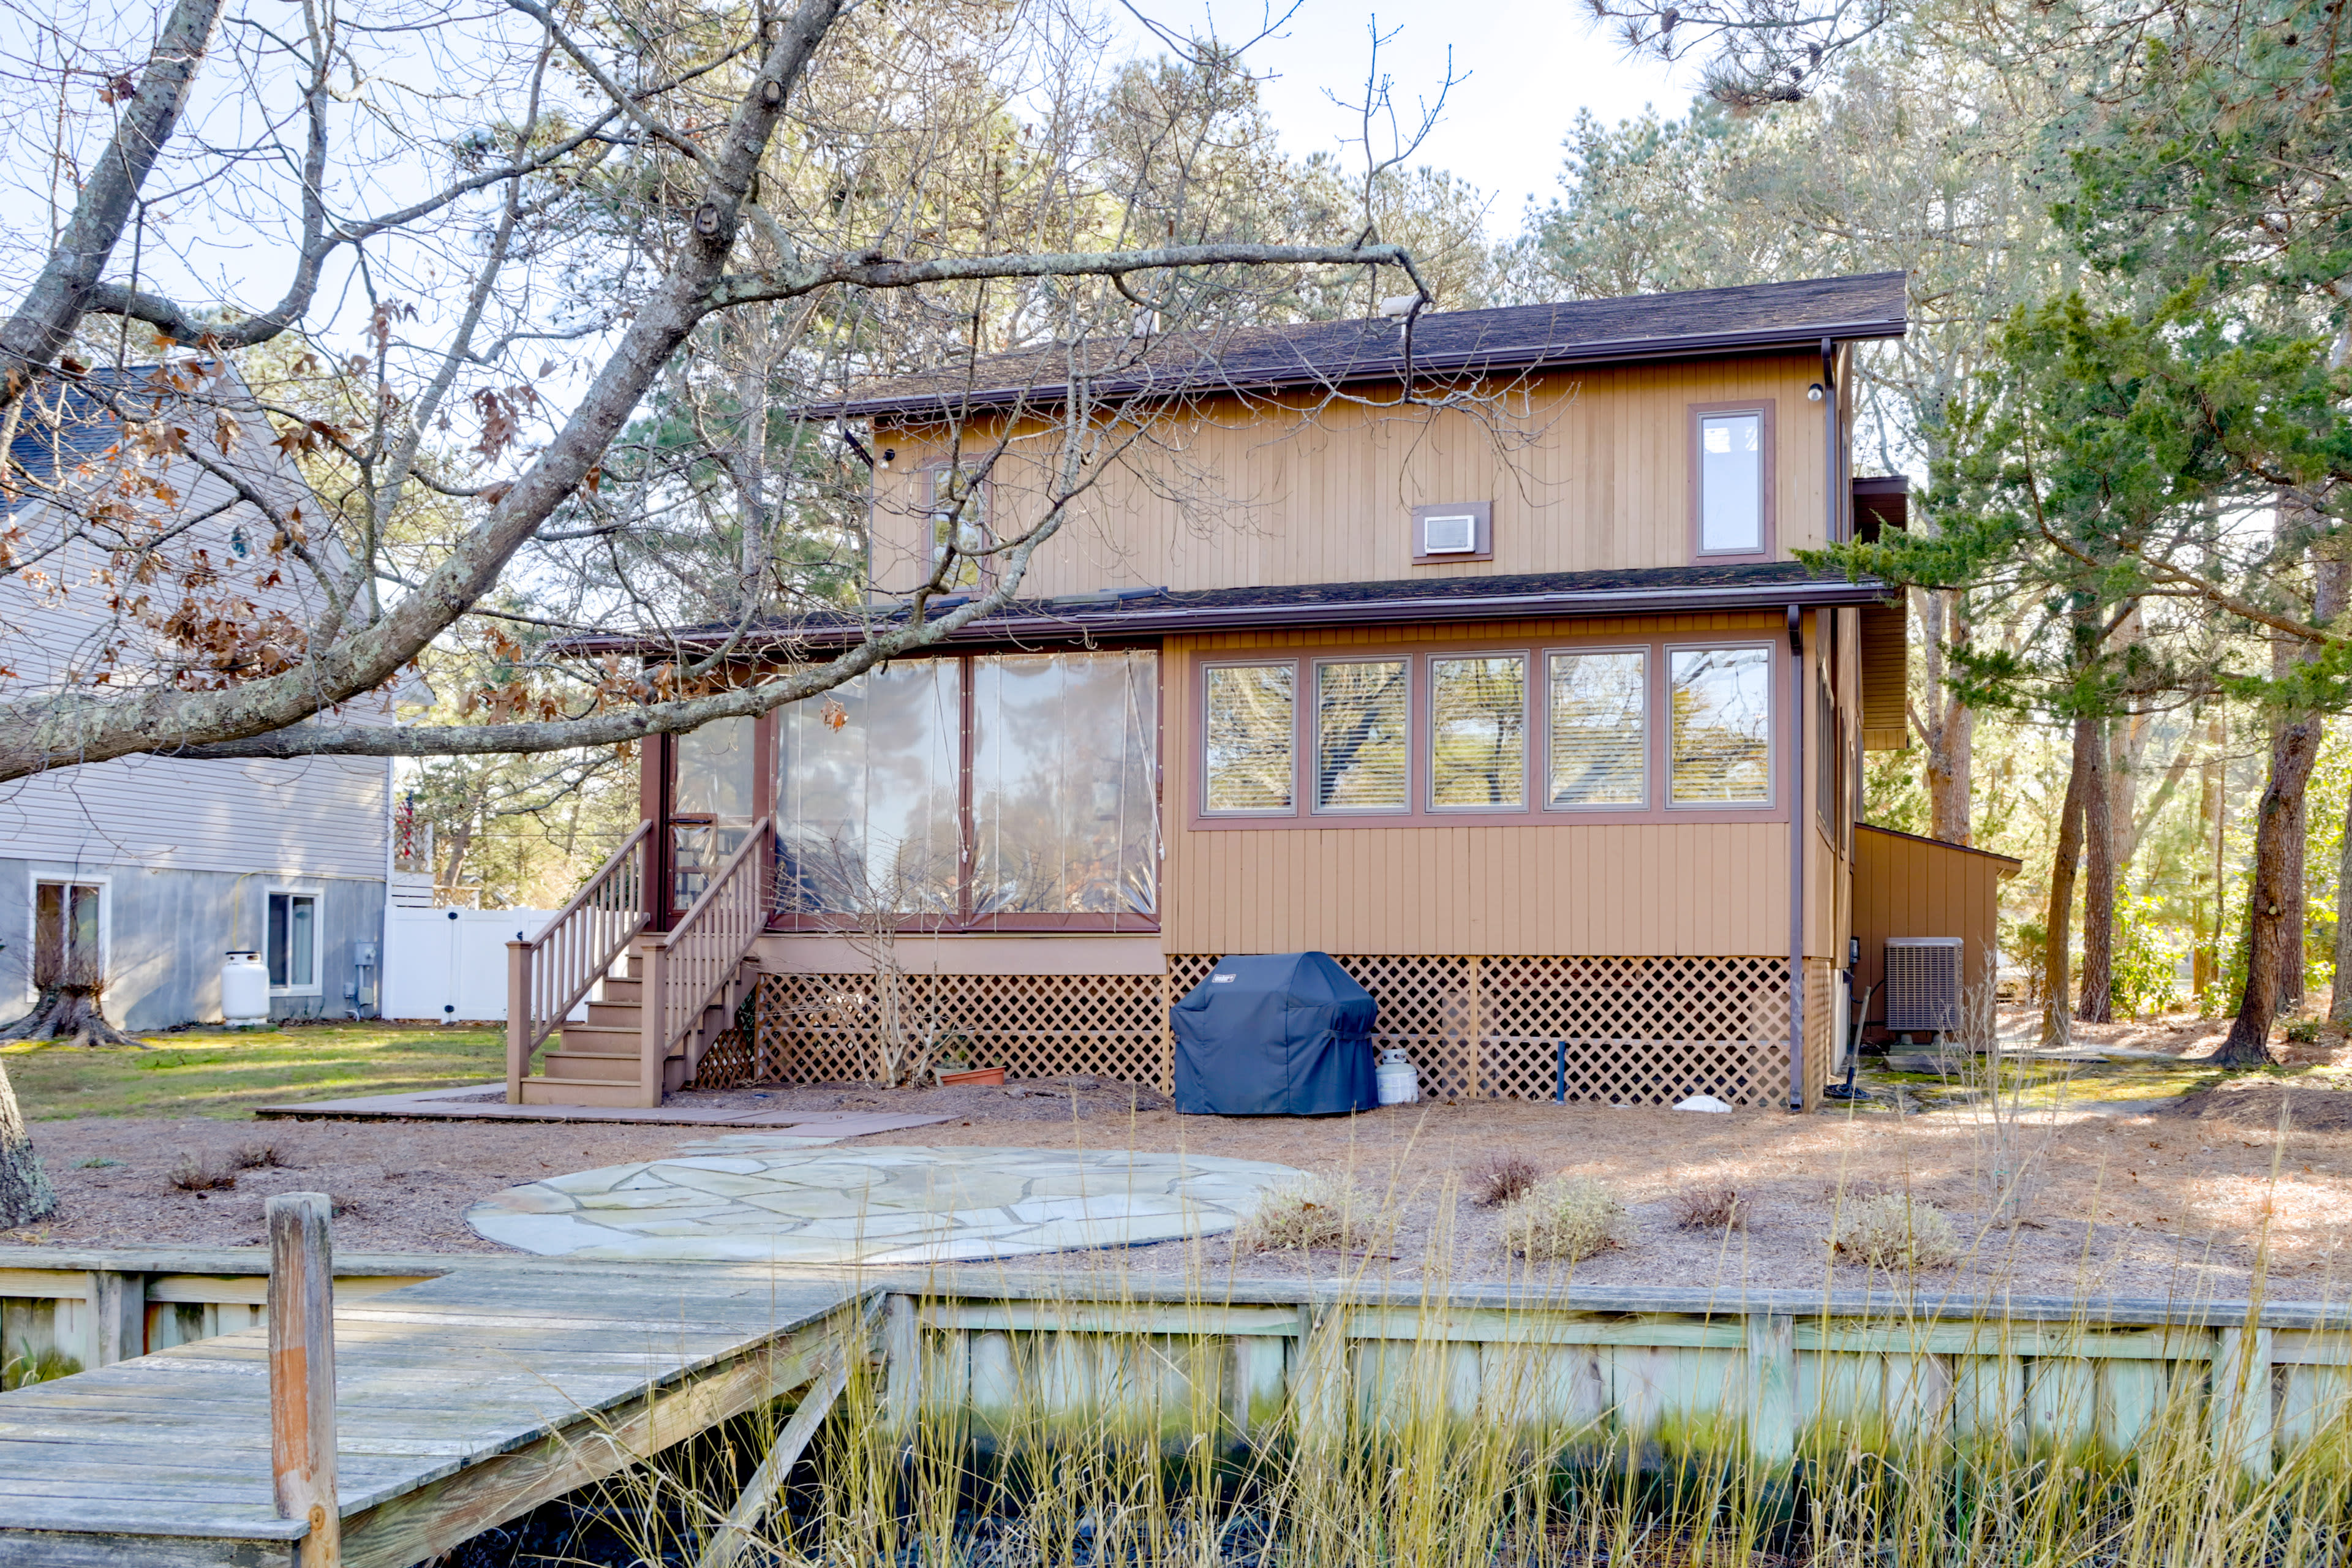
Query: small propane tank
1393,1077
245,991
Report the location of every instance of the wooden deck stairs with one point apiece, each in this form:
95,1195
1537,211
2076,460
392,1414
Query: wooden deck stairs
598,1060
654,1001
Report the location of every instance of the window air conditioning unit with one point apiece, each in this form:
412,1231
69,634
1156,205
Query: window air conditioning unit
1449,535
1923,984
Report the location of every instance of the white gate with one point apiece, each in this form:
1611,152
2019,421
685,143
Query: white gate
451,964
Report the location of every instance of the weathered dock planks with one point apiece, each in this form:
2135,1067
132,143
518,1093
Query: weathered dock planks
459,1403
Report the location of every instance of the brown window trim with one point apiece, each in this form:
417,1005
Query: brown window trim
1482,533
1768,408
1659,806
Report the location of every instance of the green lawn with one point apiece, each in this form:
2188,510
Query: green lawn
227,1073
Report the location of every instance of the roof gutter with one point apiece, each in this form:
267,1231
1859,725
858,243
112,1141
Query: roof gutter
1386,612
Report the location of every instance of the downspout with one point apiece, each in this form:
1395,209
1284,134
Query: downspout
1796,857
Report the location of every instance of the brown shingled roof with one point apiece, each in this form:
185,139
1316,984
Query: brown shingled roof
1756,318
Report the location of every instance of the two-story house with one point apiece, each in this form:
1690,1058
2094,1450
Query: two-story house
148,869
1480,659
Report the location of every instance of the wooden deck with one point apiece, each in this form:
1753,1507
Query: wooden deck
459,1403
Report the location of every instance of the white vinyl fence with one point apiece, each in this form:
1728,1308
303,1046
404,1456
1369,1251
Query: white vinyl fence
451,964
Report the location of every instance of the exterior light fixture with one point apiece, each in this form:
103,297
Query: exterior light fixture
1814,393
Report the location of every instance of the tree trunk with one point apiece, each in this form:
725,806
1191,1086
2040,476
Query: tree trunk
2278,819
1947,725
67,1013
2205,965
2058,920
26,1194
2097,1004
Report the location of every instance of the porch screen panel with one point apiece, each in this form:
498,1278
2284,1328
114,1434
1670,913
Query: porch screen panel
1360,736
1600,729
1063,811
1478,732
867,794
710,803
1252,713
1722,702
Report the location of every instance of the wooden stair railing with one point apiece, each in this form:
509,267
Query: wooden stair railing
689,967
547,975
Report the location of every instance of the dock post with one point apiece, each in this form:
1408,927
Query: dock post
1771,1388
117,1317
302,1373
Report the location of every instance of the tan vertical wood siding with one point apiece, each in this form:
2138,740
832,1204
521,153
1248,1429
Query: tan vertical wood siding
1905,886
1589,471
1624,888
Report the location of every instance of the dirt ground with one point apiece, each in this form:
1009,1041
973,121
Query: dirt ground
2180,1202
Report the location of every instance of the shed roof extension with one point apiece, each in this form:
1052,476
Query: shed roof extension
1755,317
1160,612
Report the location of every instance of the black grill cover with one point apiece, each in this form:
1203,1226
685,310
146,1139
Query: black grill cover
1282,1034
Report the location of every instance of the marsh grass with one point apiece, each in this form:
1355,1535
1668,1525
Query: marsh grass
1092,1418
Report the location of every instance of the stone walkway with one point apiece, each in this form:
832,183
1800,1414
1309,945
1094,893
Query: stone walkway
756,1198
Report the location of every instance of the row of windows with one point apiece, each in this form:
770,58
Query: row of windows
1483,741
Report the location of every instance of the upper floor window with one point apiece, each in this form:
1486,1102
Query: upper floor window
959,526
1732,472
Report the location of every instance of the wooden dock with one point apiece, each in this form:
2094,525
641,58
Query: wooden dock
459,1403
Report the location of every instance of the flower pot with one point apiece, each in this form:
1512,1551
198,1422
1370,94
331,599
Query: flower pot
984,1076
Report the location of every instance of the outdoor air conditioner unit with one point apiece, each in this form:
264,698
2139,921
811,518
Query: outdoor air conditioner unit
1923,984
1449,535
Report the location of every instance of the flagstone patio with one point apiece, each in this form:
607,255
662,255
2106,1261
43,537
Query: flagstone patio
757,1198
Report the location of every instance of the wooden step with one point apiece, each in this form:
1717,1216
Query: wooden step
615,1039
591,1065
582,1091
622,993
619,1015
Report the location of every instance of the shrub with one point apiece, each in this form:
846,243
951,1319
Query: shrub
1499,1179
1710,1208
1318,1212
258,1156
194,1173
1567,1219
1893,1232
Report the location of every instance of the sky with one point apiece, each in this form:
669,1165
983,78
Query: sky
1531,64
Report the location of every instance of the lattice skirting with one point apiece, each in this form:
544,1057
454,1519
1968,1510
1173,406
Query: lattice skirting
1624,1031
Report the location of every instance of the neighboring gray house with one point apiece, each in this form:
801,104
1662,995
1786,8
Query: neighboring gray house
154,867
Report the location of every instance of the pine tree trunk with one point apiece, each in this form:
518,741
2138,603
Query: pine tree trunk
2279,817
2058,919
67,1014
1948,729
2097,1004
2205,965
26,1194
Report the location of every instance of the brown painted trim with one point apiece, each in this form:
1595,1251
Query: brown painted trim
1020,632
1119,924
2011,861
1658,806
660,756
1482,533
1768,443
919,409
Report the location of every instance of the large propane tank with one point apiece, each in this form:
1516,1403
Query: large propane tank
245,991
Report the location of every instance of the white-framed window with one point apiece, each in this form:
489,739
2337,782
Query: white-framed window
957,511
68,929
290,941
1478,731
1732,472
1719,740
1362,735
1597,741
1249,725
